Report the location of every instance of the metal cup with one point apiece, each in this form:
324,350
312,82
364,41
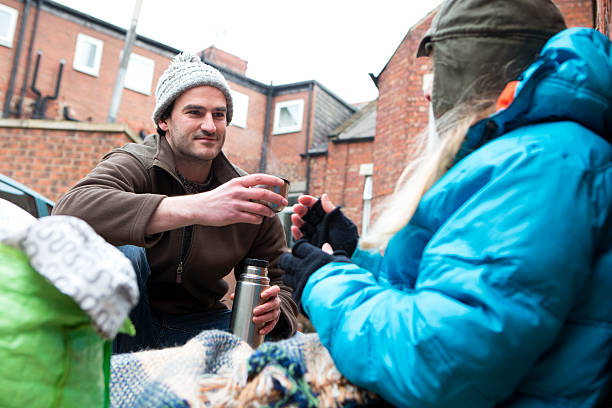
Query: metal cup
280,190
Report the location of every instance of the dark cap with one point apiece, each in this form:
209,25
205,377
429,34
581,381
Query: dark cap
261,263
527,19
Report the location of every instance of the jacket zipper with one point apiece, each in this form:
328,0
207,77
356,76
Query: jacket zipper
187,231
179,273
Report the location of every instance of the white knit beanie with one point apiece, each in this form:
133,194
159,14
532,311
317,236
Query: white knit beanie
185,72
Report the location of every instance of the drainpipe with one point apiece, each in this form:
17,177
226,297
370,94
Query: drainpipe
11,87
125,58
24,87
43,104
264,147
33,86
307,143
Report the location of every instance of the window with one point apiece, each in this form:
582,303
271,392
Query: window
288,116
427,90
139,74
8,21
366,170
88,55
241,108
285,217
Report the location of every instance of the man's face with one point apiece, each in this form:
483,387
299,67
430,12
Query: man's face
196,127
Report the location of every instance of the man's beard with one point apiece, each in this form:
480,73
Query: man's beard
187,151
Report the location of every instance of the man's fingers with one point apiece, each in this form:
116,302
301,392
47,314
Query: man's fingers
326,203
250,212
270,292
270,324
252,180
262,194
267,307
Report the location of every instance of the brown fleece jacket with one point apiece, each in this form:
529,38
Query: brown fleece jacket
118,197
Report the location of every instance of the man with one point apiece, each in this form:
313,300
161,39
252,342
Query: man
184,215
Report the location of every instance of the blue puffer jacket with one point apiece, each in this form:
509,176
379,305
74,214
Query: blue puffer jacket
499,291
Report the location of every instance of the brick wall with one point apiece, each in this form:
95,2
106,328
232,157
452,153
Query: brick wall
337,174
577,13
225,59
243,146
88,96
284,149
603,17
51,156
401,111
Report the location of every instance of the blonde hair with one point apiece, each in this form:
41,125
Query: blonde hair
436,154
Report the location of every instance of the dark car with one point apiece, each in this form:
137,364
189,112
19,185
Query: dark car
24,197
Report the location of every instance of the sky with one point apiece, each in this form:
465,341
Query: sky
335,42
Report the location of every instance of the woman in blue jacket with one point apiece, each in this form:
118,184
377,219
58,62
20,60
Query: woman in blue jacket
487,281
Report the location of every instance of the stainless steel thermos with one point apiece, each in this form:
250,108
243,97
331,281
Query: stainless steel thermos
253,280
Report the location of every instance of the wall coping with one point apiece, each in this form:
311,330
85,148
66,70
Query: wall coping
70,125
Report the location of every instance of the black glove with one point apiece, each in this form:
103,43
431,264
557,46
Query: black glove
333,227
301,262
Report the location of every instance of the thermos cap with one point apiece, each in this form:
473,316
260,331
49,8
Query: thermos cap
261,263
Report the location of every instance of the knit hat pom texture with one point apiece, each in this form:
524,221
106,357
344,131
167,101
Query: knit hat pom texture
187,71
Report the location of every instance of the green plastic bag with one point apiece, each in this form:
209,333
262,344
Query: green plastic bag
50,353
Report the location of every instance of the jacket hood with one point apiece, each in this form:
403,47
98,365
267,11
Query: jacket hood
570,80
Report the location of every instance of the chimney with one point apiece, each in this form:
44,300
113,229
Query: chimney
225,60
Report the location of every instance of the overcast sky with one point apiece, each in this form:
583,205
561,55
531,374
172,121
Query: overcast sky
335,42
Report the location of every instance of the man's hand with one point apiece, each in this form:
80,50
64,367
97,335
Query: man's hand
230,203
319,221
269,312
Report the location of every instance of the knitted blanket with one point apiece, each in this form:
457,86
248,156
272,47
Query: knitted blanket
217,369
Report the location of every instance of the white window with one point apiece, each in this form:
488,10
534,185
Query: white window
427,90
139,74
8,21
241,108
288,116
88,55
366,170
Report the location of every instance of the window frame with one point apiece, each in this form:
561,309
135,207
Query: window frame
150,66
13,15
77,66
277,109
237,118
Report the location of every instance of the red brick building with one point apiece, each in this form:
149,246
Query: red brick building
56,86
401,113
301,131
